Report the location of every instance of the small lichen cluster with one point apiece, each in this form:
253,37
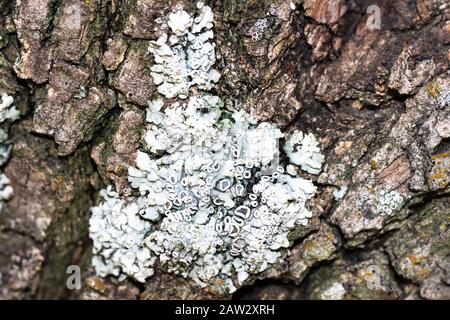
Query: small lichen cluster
259,28
303,150
118,234
441,94
439,177
8,114
211,201
335,292
417,261
443,98
339,193
206,184
372,276
383,200
185,57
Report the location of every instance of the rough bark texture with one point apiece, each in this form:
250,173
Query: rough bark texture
369,95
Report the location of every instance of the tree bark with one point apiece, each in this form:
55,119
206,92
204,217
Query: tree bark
80,75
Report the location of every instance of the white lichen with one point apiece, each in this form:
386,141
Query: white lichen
259,28
443,99
185,57
339,193
118,234
8,114
211,201
335,292
303,150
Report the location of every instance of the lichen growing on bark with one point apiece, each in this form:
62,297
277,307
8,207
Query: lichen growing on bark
214,205
376,101
8,114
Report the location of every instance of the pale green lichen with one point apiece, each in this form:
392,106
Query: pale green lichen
8,114
211,202
185,57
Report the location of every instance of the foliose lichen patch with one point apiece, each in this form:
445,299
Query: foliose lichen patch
303,150
211,200
8,114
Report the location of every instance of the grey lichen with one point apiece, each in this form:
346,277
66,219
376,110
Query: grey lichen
212,203
8,114
383,200
303,150
443,99
119,233
339,193
260,27
185,57
335,292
